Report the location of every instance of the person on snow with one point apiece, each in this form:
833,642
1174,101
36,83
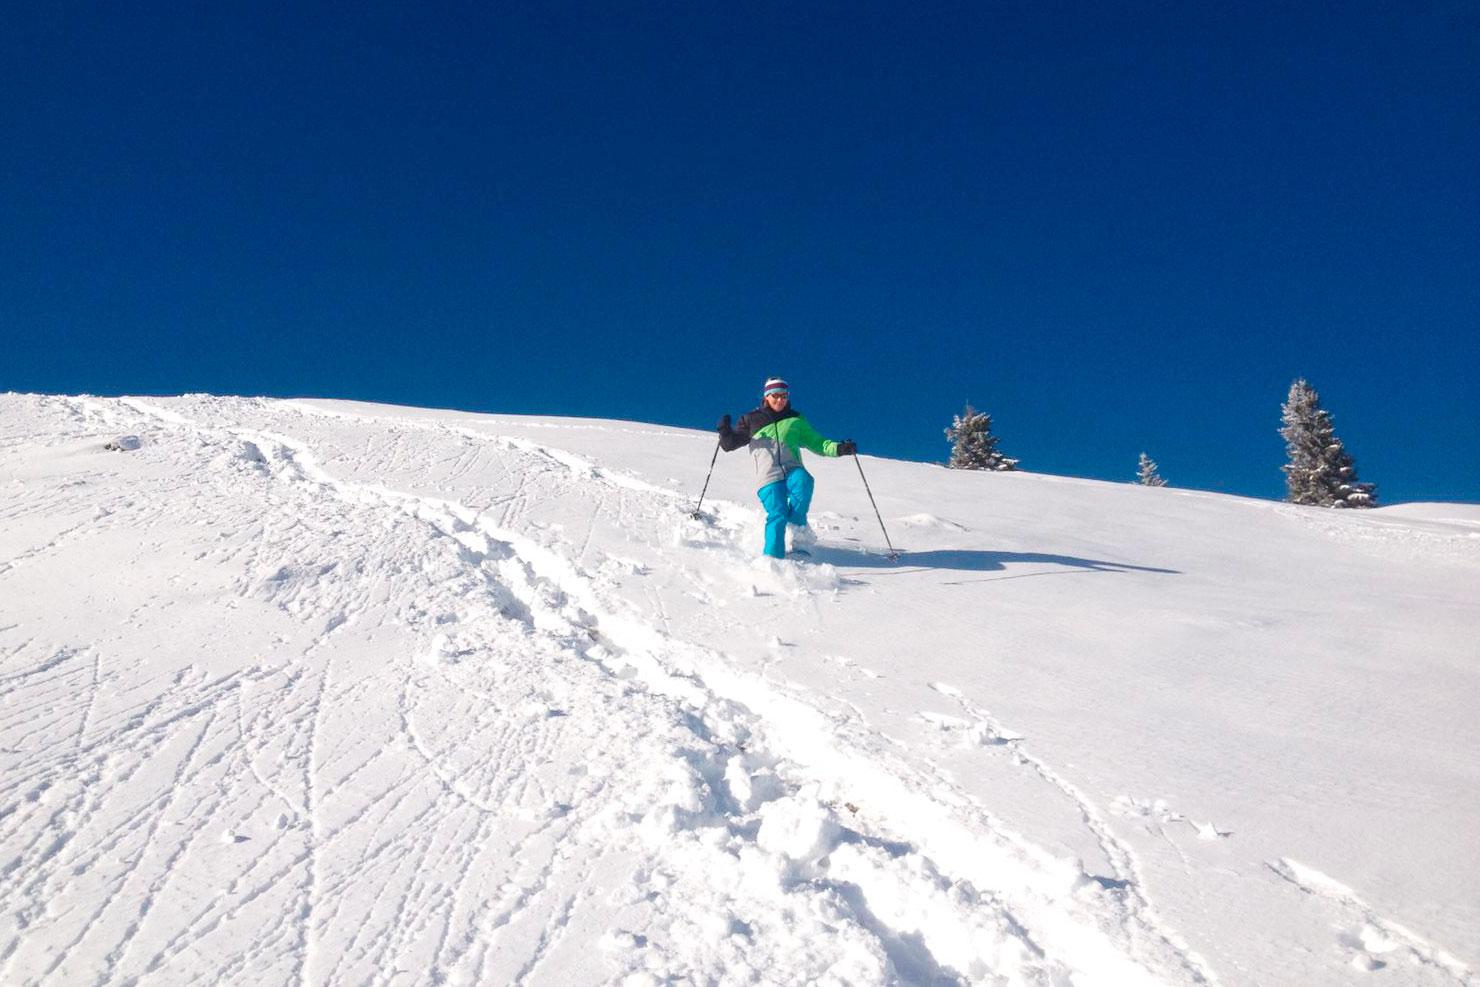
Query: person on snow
776,434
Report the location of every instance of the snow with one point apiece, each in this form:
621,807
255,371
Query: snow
317,692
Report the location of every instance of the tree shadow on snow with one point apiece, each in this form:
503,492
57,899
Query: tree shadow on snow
979,561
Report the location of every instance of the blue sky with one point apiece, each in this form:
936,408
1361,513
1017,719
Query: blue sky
1115,227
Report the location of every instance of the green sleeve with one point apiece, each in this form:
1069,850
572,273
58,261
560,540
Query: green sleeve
808,437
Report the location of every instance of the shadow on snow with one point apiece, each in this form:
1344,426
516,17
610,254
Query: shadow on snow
977,561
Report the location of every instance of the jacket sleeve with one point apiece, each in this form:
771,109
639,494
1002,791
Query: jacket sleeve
737,437
809,438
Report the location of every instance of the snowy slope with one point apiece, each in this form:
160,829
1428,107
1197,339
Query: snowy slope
325,693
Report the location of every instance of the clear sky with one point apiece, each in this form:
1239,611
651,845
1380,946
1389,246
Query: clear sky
1116,227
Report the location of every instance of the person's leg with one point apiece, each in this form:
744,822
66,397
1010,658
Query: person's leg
799,494
773,499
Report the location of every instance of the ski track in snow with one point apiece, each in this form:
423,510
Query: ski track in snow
167,820
1126,881
1372,942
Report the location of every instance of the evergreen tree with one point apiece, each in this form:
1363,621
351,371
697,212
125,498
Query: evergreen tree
1319,470
973,446
1146,474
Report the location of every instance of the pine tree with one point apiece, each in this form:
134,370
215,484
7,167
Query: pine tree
973,446
1319,470
1146,474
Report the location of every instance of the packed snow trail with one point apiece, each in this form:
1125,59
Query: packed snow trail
293,694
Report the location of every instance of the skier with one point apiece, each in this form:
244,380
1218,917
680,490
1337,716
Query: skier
776,434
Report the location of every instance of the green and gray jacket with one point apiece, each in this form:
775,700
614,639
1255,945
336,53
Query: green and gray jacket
776,440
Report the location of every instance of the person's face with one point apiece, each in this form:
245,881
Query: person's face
778,400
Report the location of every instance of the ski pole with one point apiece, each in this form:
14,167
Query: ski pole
893,553
713,459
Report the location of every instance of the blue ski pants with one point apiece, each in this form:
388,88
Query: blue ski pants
786,502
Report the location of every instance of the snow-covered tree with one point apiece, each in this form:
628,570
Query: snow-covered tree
1318,470
973,446
1146,474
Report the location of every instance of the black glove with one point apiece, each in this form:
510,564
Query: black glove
723,425
847,448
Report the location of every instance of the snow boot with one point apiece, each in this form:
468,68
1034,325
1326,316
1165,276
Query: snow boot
800,540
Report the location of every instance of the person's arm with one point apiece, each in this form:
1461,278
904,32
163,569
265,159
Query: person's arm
732,438
807,437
